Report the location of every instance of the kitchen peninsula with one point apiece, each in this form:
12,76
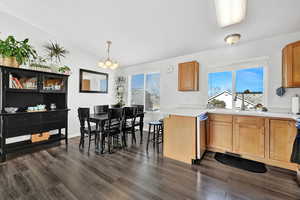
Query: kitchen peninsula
266,137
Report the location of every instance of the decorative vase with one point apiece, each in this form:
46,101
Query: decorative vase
9,62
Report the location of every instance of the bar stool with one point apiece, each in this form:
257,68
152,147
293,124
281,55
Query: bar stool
157,133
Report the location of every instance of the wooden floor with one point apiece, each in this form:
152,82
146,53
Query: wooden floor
132,174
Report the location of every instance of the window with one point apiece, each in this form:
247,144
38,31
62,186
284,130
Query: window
226,89
152,92
220,89
145,90
137,89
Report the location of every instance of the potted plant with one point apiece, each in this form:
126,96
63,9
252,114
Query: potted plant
65,70
55,54
14,53
39,64
120,90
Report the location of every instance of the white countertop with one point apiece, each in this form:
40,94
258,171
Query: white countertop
194,112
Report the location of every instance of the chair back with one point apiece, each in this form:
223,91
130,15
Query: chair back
84,115
140,108
101,109
115,114
130,114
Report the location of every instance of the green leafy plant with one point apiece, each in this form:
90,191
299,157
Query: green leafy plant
64,69
55,51
21,50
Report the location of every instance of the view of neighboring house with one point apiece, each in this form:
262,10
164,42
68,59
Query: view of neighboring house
224,100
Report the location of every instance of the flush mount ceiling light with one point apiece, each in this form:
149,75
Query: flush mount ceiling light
230,12
108,62
232,39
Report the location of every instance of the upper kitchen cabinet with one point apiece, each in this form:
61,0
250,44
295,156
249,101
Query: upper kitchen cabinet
291,65
188,76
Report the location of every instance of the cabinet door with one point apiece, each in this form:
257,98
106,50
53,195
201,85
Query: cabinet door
291,65
249,136
180,138
282,136
220,135
188,74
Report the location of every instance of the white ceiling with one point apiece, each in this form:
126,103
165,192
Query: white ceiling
148,30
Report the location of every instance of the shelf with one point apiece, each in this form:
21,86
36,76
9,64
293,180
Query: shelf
22,90
48,111
13,147
53,91
35,71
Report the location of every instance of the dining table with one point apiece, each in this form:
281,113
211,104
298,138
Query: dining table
99,119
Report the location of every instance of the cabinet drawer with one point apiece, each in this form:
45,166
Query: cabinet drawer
220,118
17,125
250,121
53,117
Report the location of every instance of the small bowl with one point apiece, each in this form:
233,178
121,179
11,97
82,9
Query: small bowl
11,109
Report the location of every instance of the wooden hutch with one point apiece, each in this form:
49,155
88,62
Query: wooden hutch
23,88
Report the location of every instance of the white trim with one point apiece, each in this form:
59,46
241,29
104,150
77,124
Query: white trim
243,64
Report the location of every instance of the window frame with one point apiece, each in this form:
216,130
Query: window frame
233,67
144,89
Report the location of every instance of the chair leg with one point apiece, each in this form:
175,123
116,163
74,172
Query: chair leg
157,138
148,138
124,139
153,140
102,144
90,138
109,144
141,134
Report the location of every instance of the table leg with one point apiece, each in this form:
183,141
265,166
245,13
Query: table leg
98,127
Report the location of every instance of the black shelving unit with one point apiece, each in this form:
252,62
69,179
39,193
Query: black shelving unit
23,88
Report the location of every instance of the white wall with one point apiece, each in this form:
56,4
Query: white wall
76,59
269,49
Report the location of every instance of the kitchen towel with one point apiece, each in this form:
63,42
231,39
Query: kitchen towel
295,158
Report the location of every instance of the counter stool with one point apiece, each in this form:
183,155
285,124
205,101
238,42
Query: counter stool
157,134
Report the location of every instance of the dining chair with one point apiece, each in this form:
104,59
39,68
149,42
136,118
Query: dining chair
101,109
139,122
86,129
129,124
113,129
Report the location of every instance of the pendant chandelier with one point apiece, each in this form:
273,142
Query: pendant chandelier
108,63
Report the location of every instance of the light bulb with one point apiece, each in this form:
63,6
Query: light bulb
115,65
108,63
100,64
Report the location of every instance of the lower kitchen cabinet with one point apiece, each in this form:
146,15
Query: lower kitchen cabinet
180,138
249,136
220,135
282,136
267,140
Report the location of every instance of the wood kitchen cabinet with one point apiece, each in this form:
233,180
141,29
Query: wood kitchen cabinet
249,136
266,140
180,138
188,76
282,137
291,65
220,132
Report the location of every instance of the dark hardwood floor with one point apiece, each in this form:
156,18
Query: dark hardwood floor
132,174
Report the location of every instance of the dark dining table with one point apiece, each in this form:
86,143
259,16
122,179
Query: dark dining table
99,120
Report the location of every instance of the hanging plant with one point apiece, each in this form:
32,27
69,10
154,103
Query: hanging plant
55,52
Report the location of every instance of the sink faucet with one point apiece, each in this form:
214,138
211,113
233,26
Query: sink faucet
243,106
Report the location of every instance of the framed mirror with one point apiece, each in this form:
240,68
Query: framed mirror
93,82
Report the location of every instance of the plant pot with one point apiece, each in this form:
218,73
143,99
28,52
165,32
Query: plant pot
9,62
